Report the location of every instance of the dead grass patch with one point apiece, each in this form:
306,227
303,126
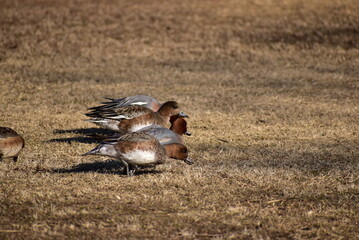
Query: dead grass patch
271,88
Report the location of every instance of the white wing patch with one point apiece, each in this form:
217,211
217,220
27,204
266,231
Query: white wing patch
164,140
139,157
139,103
120,117
108,124
137,127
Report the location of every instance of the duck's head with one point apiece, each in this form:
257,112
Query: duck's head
178,151
179,126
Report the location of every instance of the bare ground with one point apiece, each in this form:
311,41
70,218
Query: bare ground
272,88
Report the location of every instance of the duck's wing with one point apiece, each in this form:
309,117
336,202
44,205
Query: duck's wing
137,137
162,134
6,132
137,100
120,113
128,137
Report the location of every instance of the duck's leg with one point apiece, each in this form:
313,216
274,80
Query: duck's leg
127,168
133,168
0,157
15,158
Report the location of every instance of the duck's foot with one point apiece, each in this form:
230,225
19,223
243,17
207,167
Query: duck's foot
129,169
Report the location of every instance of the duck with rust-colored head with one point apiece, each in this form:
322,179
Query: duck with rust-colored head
133,118
11,143
138,148
132,149
162,134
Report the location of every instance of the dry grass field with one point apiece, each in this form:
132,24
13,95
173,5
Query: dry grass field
272,89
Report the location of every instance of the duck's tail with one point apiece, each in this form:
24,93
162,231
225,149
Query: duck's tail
92,152
96,120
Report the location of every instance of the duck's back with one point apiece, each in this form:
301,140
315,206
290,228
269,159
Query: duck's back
137,100
140,100
6,132
163,135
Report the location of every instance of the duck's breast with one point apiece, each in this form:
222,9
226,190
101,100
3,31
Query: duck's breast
11,146
135,124
140,157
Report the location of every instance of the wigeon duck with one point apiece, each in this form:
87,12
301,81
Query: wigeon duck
133,118
11,143
138,148
137,100
162,134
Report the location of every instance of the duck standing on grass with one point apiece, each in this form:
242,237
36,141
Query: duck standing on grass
139,148
11,143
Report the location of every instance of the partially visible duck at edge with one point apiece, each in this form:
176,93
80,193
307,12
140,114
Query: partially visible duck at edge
133,118
11,143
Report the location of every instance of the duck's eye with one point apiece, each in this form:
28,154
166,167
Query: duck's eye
184,150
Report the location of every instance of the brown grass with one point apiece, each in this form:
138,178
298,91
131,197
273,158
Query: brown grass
272,88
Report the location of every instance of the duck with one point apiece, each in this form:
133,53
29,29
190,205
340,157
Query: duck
139,148
169,139
137,100
133,118
162,134
11,143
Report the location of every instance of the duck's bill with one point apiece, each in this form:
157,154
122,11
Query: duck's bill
88,153
182,114
188,161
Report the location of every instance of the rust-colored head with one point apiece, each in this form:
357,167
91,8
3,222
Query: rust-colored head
178,151
179,126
